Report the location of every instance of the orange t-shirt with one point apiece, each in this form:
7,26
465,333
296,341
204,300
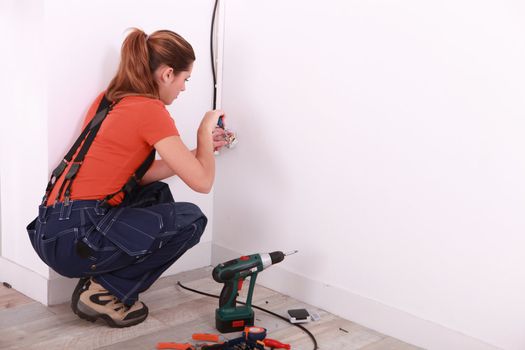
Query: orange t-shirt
123,142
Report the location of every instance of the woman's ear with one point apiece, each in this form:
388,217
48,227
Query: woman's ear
166,75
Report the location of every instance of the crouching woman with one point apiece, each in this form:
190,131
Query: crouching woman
105,217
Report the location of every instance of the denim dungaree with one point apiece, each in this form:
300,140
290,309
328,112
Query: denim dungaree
125,248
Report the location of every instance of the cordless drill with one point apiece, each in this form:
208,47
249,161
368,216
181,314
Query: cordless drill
229,317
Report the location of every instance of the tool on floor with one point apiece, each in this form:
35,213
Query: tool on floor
176,346
254,333
299,316
251,338
221,346
229,317
233,344
275,344
218,338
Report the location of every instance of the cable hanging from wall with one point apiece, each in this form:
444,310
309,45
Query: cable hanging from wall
212,51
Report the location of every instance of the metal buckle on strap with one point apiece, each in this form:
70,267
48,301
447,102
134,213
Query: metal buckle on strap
102,207
59,169
131,183
73,170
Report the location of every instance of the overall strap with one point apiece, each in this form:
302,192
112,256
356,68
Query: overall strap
134,180
103,108
75,166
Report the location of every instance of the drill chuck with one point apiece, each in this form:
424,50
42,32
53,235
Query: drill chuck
277,257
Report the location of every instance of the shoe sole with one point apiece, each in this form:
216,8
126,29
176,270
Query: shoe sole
88,314
76,295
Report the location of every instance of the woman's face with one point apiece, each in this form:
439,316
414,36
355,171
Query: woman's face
171,83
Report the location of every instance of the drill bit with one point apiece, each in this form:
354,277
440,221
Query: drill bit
291,252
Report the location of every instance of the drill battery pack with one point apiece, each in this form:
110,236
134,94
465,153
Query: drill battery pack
233,322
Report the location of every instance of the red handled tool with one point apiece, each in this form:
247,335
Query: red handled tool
209,337
274,344
176,346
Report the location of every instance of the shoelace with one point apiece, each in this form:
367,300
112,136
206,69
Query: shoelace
116,302
120,305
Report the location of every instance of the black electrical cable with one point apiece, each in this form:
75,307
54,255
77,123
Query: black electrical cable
213,56
257,307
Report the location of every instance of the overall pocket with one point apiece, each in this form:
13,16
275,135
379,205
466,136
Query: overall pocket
132,230
31,232
54,254
95,248
72,255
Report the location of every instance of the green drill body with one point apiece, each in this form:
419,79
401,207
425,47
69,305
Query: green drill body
229,317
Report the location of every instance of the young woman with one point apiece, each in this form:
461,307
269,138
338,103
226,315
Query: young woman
105,217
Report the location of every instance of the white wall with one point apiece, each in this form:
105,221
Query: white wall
23,140
61,55
384,140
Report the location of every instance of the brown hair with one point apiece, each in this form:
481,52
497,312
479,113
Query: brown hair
141,55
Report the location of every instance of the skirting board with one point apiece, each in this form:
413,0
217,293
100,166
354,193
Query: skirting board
196,257
60,288
359,309
24,280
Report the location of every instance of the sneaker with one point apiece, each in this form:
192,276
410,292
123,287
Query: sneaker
96,302
76,293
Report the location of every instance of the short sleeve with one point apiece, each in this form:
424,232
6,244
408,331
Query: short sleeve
157,124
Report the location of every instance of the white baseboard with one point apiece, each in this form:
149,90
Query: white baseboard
60,288
367,312
196,257
24,280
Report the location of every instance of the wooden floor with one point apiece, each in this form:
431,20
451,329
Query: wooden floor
174,315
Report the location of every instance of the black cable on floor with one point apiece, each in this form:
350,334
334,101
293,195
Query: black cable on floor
259,308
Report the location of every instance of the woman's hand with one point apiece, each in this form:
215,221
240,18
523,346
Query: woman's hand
210,120
219,138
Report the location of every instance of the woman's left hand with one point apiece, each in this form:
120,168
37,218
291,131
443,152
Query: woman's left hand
219,138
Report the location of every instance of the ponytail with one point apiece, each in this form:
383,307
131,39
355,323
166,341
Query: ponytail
141,56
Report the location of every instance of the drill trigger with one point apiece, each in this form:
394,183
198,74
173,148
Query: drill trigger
239,285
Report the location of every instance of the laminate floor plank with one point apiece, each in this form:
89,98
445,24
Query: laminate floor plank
390,344
22,314
180,334
331,332
40,330
10,298
175,314
96,336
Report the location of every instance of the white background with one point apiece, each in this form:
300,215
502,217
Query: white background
384,141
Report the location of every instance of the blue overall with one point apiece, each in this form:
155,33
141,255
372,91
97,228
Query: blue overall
125,248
